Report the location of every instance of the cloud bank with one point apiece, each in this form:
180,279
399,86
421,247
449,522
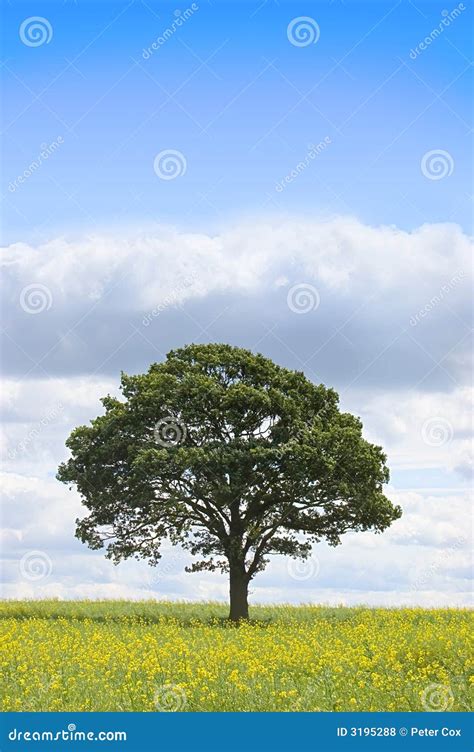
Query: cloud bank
381,314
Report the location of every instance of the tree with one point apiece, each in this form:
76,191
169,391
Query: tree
231,456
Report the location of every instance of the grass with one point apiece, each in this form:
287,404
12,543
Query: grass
162,656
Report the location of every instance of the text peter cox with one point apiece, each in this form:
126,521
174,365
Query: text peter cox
415,731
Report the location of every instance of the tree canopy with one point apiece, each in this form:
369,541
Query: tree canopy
229,455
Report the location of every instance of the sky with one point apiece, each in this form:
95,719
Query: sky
291,177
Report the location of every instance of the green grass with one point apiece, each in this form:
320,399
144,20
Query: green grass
154,611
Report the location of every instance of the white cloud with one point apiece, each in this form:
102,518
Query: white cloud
343,254
414,397
432,520
38,415
419,430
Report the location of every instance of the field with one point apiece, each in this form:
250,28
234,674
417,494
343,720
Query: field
150,656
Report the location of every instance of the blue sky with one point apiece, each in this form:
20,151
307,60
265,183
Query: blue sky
230,92
190,193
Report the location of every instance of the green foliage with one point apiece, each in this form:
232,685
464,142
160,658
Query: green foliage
231,456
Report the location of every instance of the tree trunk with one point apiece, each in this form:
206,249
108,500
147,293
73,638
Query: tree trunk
239,583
